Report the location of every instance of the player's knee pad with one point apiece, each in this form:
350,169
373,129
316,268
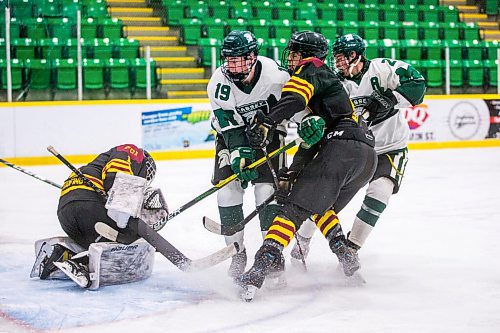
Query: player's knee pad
377,197
230,195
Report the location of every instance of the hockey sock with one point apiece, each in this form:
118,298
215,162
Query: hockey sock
281,231
267,215
365,220
230,216
326,223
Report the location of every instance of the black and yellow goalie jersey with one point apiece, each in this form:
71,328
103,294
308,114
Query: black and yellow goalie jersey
101,171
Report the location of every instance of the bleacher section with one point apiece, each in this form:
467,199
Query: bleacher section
182,35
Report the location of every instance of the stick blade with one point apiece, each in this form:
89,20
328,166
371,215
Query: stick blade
212,225
213,259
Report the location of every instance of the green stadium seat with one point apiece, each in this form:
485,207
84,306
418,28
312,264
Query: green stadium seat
492,7
429,13
451,30
50,48
221,9
281,29
118,73
285,10
390,30
369,30
70,48
199,10
2,49
191,30
126,48
276,47
492,70
348,12
434,72
96,10
16,74
429,30
205,51
475,49
111,28
492,49
15,27
39,73
24,48
260,28
411,14
98,48
62,28
213,28
48,8
89,28
22,8
241,10
410,30
306,11
328,28
412,49
236,24
387,45
470,31
456,49
475,72
93,74
372,48
36,28
65,75
433,49
349,27
70,8
139,81
391,13
305,25
327,11
174,12
449,14
456,73
369,12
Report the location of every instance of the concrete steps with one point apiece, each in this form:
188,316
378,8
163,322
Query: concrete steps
182,73
165,51
126,3
187,94
135,31
131,11
185,84
178,62
139,21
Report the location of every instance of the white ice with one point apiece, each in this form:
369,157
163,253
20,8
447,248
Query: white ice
429,264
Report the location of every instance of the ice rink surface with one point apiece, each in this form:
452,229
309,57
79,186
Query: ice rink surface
431,263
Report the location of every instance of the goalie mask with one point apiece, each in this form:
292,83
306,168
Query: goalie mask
150,165
348,50
304,44
238,55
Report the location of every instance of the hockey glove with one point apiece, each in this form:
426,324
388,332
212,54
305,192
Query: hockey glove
240,158
260,133
286,177
378,104
311,129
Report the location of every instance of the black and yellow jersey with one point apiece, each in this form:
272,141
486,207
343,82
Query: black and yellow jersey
101,171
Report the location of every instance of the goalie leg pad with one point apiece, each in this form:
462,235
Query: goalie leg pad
44,249
113,263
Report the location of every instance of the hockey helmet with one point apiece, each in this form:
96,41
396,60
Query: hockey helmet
308,44
241,45
150,165
347,43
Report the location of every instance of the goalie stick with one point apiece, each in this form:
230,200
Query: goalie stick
169,251
160,224
29,173
151,236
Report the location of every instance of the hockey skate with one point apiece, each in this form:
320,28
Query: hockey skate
76,272
300,254
238,265
347,255
267,260
59,253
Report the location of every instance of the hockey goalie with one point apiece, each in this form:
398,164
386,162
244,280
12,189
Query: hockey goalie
125,173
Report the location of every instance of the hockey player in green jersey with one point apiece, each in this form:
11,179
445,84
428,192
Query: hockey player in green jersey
244,84
337,160
379,89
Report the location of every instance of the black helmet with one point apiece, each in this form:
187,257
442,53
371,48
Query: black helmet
347,43
238,44
308,44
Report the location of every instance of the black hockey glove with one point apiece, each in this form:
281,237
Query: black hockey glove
260,133
286,177
378,104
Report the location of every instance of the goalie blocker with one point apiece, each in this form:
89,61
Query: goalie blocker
109,263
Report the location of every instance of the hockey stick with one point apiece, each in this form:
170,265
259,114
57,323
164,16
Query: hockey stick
151,236
217,228
29,173
160,224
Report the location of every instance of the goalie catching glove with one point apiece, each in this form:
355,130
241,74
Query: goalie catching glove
240,158
311,129
260,133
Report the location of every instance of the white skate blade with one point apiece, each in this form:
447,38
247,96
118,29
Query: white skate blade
248,293
81,281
